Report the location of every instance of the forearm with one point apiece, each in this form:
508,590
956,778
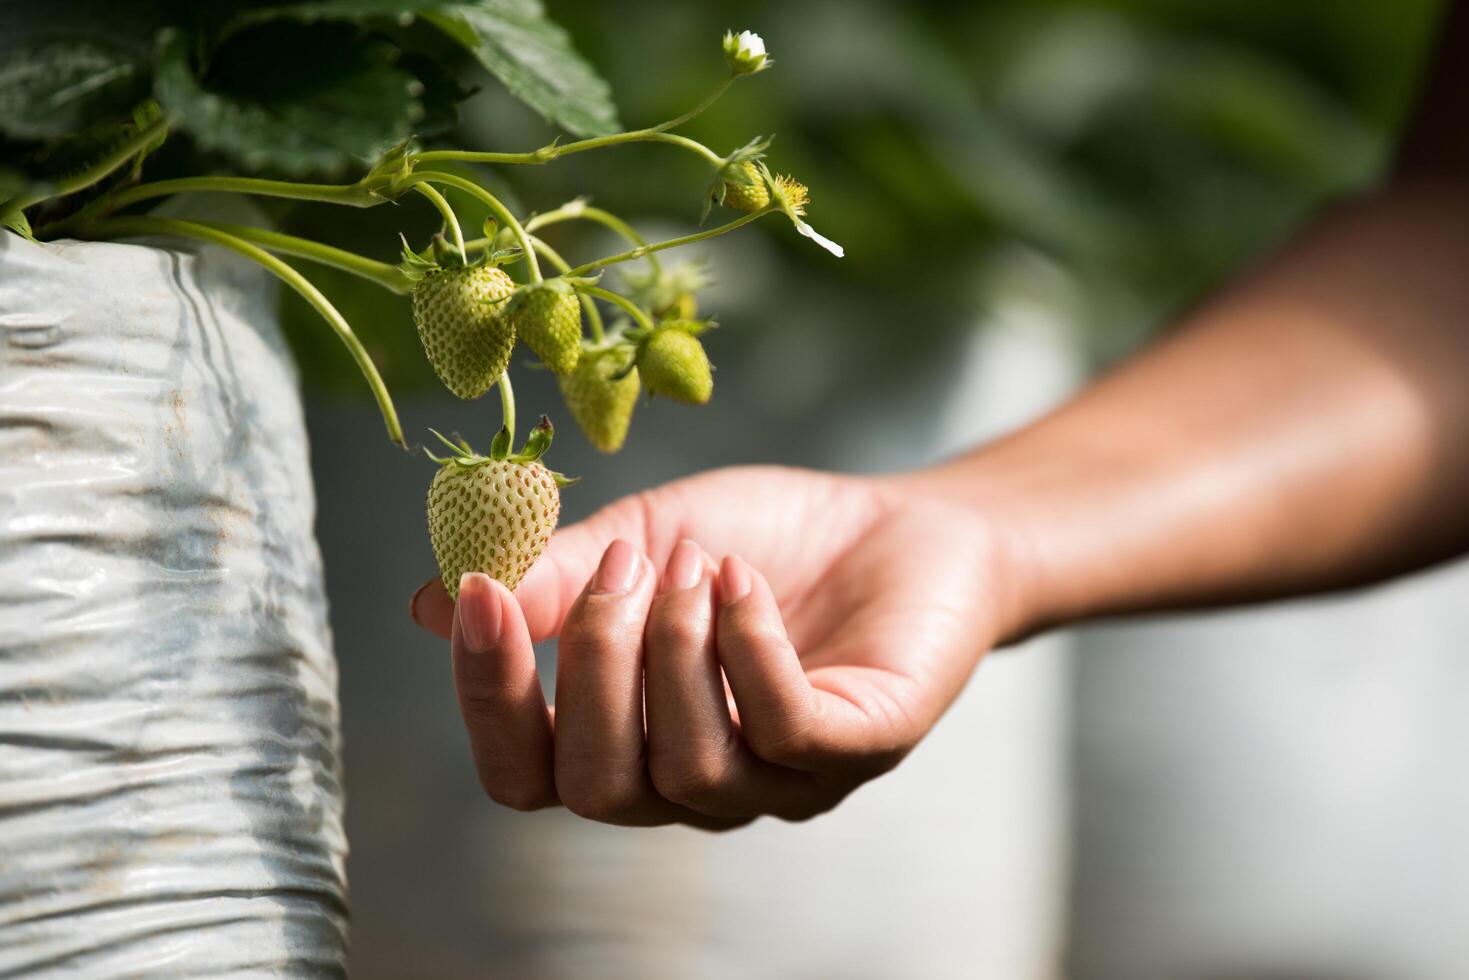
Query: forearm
1306,430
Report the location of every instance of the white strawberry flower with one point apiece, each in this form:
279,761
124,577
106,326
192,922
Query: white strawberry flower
790,195
745,52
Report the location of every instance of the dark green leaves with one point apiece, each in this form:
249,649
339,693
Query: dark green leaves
297,101
312,87
535,60
62,85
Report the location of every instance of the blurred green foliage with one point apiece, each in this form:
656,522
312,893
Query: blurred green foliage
1133,151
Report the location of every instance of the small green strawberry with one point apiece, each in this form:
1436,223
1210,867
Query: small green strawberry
493,514
673,364
744,187
461,322
547,316
600,401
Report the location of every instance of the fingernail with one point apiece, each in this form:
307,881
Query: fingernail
734,579
619,569
685,567
478,611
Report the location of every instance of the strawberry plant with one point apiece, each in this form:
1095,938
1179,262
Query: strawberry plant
92,100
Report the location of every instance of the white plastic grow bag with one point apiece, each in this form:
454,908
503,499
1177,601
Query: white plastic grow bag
170,792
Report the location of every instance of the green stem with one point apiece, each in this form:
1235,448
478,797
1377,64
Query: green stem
644,250
632,308
546,154
490,200
709,100
387,276
89,176
128,226
354,195
507,406
576,210
428,191
594,315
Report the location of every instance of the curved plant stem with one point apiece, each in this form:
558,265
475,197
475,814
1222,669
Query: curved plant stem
490,200
643,250
507,406
577,210
632,308
387,276
546,154
353,195
126,226
89,176
427,190
594,315
709,100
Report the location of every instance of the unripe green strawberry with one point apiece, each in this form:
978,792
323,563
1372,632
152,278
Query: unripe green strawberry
460,320
601,404
750,196
490,515
673,364
547,316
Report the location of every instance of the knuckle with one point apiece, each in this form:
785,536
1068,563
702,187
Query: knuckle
604,802
691,782
675,633
780,741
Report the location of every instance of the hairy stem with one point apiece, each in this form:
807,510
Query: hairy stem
89,176
632,308
491,201
546,154
390,277
709,100
126,226
644,250
447,212
578,210
507,406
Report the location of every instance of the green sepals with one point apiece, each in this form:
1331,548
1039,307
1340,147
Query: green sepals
416,266
537,442
500,445
383,178
630,351
462,455
668,292
446,255
732,171
498,257
535,447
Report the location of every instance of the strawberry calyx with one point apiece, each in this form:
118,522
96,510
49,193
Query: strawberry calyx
537,443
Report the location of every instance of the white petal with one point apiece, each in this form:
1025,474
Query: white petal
820,239
752,45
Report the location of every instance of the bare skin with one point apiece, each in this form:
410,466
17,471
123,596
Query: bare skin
1306,430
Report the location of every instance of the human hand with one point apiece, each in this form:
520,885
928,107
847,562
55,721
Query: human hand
844,617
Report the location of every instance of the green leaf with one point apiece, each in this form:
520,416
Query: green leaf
301,100
65,84
534,57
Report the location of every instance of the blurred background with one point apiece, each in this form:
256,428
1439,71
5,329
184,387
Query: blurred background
1026,191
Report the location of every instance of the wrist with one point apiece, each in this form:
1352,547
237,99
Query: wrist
977,493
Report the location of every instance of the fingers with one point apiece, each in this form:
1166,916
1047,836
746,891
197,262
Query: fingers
784,717
600,754
432,608
695,756
500,696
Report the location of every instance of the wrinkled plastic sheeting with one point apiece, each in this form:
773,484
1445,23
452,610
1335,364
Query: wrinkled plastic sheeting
170,791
